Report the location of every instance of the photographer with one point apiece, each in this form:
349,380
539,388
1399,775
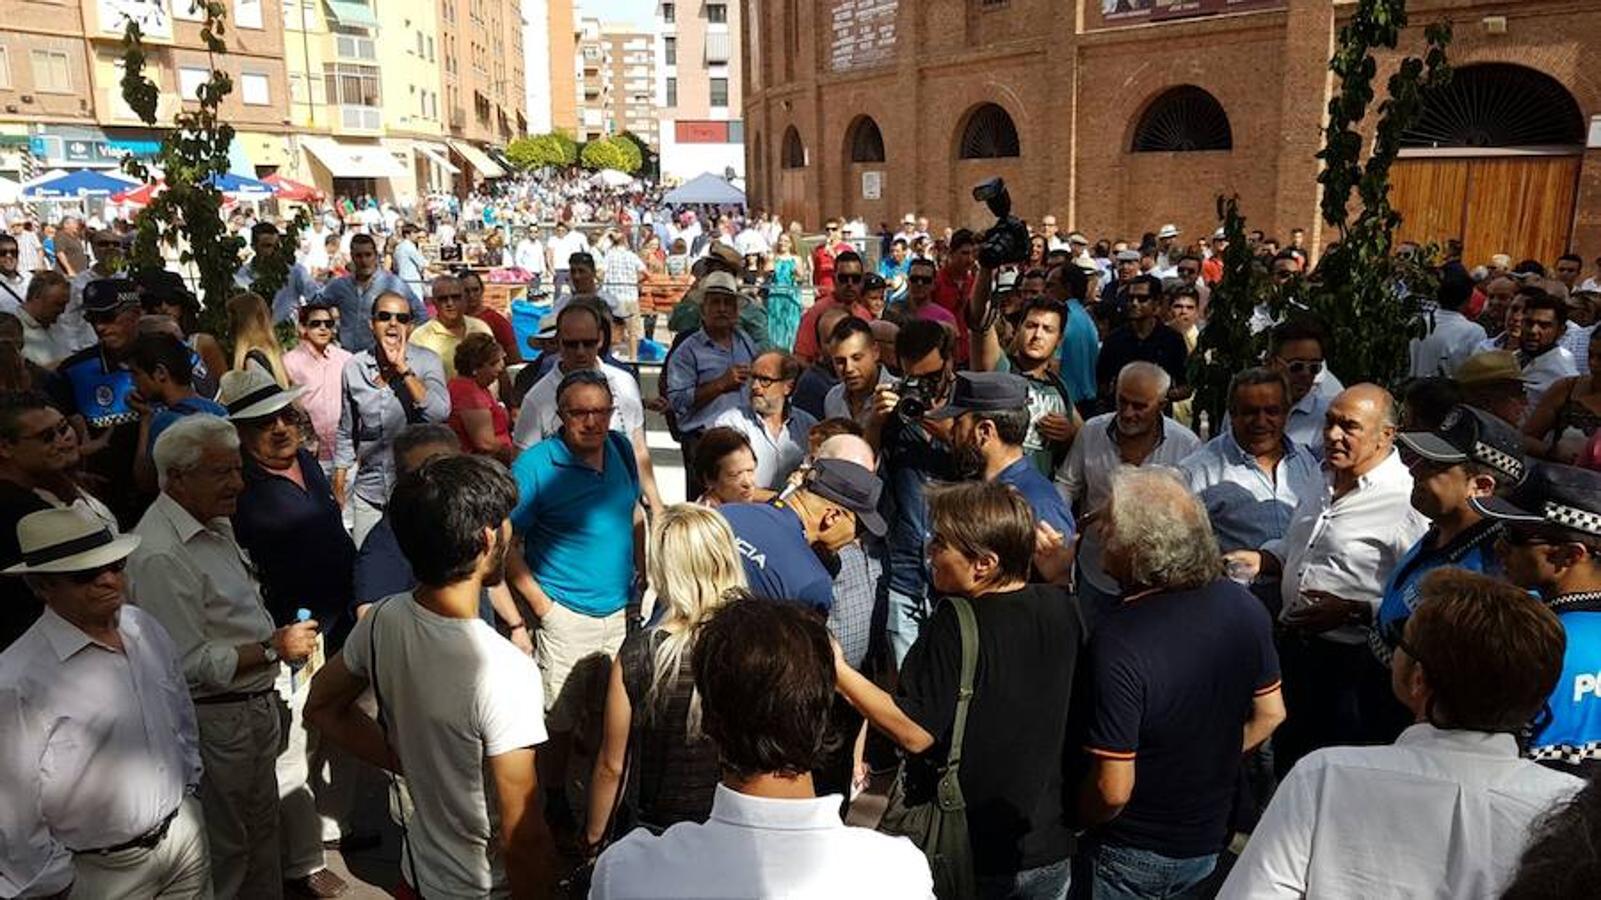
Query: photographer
1053,420
914,452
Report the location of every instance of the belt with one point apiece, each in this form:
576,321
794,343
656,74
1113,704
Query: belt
147,841
235,697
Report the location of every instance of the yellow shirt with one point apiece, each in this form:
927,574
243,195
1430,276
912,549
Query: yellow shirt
433,336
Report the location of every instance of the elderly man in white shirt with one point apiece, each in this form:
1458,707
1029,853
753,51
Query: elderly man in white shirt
1137,434
1446,810
100,761
764,671
1333,562
46,337
190,575
581,336
1452,337
778,432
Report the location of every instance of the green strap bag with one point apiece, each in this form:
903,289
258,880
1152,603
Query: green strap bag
939,826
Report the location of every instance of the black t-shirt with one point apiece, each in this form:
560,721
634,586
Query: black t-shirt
1017,722
1165,347
1173,677
19,608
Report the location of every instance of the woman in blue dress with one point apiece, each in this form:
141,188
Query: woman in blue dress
783,294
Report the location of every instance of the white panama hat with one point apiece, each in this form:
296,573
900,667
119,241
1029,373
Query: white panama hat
251,393
66,540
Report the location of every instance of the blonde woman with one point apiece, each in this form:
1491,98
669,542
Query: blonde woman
253,337
651,701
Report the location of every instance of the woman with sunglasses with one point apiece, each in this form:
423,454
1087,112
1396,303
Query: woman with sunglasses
315,366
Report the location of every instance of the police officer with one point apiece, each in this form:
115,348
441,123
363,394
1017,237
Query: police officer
1552,545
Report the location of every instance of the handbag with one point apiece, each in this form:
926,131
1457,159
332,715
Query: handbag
938,825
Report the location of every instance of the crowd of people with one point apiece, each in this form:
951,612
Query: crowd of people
951,538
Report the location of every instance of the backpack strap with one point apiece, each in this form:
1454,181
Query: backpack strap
968,624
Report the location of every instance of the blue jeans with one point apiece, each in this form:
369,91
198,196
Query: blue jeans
904,621
1047,882
1129,873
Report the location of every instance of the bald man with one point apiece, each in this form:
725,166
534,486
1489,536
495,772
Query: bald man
1334,558
450,325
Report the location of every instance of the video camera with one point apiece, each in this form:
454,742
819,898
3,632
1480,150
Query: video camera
1007,240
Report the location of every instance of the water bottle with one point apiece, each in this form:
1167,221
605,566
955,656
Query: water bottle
300,673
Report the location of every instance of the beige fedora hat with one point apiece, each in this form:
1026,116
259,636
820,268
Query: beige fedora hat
66,540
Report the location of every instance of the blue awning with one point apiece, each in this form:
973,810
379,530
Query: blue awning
355,13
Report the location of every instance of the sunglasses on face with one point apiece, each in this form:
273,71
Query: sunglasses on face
848,278
102,317
88,576
921,279
447,298
8,251
1188,271
581,345
50,434
403,318
315,324
286,416
1303,366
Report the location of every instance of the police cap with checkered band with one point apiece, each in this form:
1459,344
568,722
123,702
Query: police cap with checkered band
1552,495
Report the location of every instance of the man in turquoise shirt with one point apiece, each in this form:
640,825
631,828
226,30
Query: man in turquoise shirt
1081,343
577,504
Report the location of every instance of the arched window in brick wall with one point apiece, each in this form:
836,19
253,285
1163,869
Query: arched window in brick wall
988,133
1498,105
865,141
1181,120
794,150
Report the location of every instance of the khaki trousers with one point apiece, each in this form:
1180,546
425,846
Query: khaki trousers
178,868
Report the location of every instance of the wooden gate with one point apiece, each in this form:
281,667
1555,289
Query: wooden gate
1521,205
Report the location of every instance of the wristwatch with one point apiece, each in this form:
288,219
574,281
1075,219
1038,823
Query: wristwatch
269,651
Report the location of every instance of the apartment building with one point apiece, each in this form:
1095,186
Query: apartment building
615,82
325,91
698,95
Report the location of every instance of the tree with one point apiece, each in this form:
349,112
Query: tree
612,153
1365,295
187,215
540,151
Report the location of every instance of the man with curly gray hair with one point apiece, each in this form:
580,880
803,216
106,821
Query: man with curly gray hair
1185,679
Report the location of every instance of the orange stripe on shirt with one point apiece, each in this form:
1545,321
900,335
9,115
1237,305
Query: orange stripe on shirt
1109,754
1264,691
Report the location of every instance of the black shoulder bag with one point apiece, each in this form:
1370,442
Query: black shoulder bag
938,826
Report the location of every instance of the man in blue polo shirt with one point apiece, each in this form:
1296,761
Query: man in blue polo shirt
577,505
777,538
991,416
1552,545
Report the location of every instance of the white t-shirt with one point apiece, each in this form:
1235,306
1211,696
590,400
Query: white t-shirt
454,693
537,418
564,246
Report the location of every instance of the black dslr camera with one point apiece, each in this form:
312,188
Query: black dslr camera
917,395
1007,240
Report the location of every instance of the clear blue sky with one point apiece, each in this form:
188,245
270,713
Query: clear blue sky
639,12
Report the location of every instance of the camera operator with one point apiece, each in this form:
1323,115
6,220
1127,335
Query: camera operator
1053,420
913,451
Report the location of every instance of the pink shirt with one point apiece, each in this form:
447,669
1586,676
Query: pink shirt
321,374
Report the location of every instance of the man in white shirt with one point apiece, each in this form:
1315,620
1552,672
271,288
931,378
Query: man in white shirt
530,255
46,340
100,760
462,729
764,671
1544,360
13,278
31,249
1137,434
1447,809
581,337
1452,337
1333,561
191,576
562,245
750,242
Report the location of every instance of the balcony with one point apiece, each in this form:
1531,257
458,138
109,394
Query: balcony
352,47
360,119
458,118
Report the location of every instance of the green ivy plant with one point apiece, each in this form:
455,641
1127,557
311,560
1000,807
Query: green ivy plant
187,215
1366,295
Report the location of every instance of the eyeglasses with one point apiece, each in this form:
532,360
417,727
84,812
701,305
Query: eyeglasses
8,251
921,279
603,412
88,576
581,345
386,316
50,434
1303,366
287,416
766,380
315,324
1186,270
103,316
447,298
848,278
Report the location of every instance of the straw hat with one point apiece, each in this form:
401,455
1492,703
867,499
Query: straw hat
66,540
251,393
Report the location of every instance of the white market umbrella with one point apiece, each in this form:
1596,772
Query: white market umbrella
612,178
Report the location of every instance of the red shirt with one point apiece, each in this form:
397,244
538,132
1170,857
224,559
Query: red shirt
952,294
1212,270
823,264
466,394
807,347
505,334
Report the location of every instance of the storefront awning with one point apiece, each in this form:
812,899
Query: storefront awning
478,159
438,154
355,13
354,160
